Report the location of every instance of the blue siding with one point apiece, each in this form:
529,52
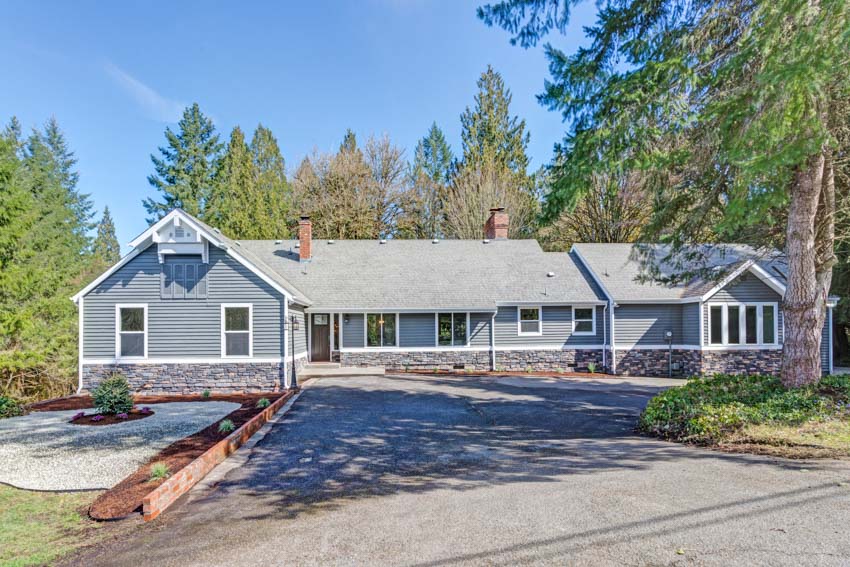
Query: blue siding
479,329
690,324
648,324
301,333
185,327
557,328
352,331
747,288
416,330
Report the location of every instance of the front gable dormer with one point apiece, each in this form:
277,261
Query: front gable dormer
177,237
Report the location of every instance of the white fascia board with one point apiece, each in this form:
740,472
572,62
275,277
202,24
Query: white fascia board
399,310
659,301
728,279
173,215
85,291
592,273
771,281
552,303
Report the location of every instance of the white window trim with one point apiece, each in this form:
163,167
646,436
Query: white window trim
366,330
592,320
437,329
742,323
250,307
519,330
118,308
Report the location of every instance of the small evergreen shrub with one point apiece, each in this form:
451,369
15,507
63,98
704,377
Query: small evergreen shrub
263,403
591,367
226,426
206,394
10,407
159,471
113,395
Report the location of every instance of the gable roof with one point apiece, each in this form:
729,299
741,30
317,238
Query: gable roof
468,275
624,274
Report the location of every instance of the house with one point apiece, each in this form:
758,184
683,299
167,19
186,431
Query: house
191,309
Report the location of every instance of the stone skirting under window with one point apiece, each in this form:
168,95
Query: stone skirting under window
638,362
189,378
548,360
418,360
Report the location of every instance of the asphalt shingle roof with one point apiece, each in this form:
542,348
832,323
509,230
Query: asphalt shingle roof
418,274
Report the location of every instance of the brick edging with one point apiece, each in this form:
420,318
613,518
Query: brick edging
177,485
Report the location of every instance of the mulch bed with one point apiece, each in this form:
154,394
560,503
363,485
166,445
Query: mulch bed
125,498
110,419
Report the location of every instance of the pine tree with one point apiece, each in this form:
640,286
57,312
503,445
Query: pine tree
422,206
433,156
232,203
186,169
105,249
276,201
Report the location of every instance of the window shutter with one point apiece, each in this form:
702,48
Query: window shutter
179,281
166,282
190,281
202,281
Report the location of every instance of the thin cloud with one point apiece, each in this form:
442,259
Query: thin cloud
157,107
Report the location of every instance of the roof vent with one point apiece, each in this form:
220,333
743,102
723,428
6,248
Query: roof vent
550,274
217,230
486,241
237,243
278,241
435,241
330,241
383,241
298,245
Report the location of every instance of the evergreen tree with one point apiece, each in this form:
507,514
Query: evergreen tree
186,169
106,250
232,202
433,156
422,205
276,194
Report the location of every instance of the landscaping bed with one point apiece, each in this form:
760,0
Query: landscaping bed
126,497
755,414
94,418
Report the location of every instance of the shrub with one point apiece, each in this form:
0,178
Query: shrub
10,407
529,369
591,367
146,410
263,403
159,471
113,395
98,417
78,415
226,426
122,416
206,393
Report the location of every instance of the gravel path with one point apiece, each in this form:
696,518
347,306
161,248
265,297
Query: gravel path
42,451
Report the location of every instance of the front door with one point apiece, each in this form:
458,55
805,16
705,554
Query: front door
320,337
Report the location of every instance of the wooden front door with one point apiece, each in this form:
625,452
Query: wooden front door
320,337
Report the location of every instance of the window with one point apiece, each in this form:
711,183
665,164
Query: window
584,321
742,324
452,329
381,329
237,330
530,322
131,323
183,277
336,330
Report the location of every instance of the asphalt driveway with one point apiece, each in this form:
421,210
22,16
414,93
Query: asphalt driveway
467,471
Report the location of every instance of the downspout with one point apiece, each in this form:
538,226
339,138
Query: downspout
286,331
605,336
493,342
613,341
80,346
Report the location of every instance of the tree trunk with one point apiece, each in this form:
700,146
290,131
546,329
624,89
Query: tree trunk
804,306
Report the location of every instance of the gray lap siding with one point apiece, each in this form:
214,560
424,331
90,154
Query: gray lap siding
181,328
301,334
644,325
557,329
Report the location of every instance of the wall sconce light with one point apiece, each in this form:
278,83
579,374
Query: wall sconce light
346,320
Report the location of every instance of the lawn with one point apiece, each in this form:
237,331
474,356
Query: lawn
36,528
755,414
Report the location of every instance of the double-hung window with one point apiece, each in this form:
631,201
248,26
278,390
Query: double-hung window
584,321
452,329
381,329
131,324
530,321
742,324
237,329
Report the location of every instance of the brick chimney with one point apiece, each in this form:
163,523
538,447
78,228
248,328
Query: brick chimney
305,236
496,227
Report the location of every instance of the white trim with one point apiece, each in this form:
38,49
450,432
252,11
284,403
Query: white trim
476,348
751,266
771,281
535,303
742,326
696,347
366,331
97,281
592,320
301,355
172,215
308,322
80,344
493,341
225,306
519,321
681,301
186,360
658,347
118,308
829,346
592,273
701,324
354,310
727,280
742,347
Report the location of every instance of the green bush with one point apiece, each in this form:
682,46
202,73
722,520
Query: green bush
113,395
707,409
263,403
159,471
10,407
226,426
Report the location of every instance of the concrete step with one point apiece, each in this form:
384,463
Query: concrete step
326,371
322,365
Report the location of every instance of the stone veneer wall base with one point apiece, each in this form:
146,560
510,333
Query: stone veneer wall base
189,378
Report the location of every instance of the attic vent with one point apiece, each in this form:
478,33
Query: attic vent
435,241
330,241
217,230
486,241
278,241
237,243
383,241
298,245
550,274
179,232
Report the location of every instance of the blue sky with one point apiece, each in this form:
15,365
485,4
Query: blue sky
116,74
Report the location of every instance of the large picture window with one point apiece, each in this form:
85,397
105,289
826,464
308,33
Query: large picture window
381,329
132,335
237,330
742,324
530,321
584,321
452,329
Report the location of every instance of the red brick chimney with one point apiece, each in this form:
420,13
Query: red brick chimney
496,227
305,236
